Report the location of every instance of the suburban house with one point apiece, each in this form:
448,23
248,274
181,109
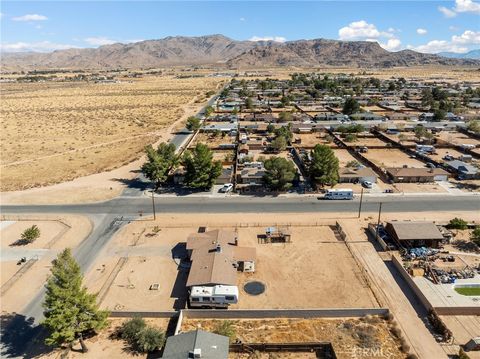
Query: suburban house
225,176
196,344
414,234
356,174
464,169
250,176
215,258
416,175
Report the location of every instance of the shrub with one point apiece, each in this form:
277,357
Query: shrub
149,339
476,235
29,235
225,327
404,347
130,329
396,331
412,356
458,223
350,137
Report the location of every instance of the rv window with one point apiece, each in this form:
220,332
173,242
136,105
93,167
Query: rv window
206,299
229,297
195,299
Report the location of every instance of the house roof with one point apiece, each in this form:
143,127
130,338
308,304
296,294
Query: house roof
462,167
214,254
356,172
415,172
213,346
407,230
210,266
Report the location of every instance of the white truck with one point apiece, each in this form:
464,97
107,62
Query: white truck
218,296
339,194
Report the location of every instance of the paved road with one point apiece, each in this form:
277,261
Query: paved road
132,206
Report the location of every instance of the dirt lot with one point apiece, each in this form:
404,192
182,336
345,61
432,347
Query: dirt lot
458,138
343,156
309,140
392,158
464,328
211,140
105,345
367,141
442,152
54,132
69,232
346,335
283,268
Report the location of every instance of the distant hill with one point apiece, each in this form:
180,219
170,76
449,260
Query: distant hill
216,49
474,54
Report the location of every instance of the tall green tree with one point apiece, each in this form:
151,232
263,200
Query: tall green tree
249,103
70,310
201,170
350,106
278,144
279,173
284,131
322,165
209,110
30,234
193,123
159,163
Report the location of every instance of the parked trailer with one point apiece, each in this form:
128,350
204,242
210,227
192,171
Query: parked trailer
339,194
218,296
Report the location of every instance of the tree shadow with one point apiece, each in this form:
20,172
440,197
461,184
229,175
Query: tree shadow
21,337
465,246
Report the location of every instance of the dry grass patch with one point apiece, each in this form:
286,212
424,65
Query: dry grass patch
53,132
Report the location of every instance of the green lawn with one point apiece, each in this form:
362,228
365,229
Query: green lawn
474,291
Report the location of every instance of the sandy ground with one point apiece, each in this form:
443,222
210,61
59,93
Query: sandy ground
106,345
56,132
342,333
458,138
96,187
309,140
283,268
48,231
33,279
442,152
343,156
392,158
464,328
419,188
367,141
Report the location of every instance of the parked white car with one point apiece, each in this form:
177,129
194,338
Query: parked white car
227,187
367,184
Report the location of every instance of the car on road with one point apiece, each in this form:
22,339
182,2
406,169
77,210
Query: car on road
227,187
367,184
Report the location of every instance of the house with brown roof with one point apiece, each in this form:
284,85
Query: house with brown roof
356,174
216,257
414,234
416,175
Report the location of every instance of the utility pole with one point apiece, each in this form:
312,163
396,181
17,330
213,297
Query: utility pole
360,205
153,205
378,222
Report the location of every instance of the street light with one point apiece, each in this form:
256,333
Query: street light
360,205
153,205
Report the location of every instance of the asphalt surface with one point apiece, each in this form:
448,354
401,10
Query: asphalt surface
130,207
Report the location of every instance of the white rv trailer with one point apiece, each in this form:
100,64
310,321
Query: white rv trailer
218,296
343,193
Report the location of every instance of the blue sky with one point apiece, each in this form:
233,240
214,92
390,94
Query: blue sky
427,26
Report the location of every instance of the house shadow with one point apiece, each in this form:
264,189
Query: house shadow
179,289
22,337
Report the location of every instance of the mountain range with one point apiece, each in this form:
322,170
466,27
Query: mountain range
218,49
474,54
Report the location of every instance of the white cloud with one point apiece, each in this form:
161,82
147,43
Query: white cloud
421,31
435,46
468,37
42,46
268,38
30,17
461,6
392,45
99,41
447,12
242,19
358,30
467,6
362,30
